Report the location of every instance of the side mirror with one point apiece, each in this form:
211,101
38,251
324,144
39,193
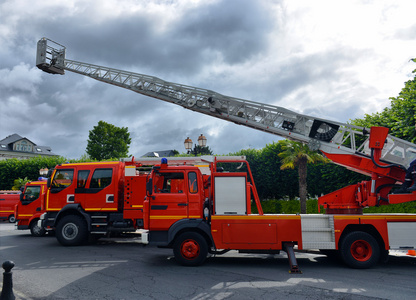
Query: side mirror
21,197
50,171
149,186
48,183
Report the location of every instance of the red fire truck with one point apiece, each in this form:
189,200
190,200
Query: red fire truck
212,213
88,198
96,198
8,200
30,207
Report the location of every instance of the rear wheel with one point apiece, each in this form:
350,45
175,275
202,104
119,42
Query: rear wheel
360,250
190,249
12,219
35,230
71,231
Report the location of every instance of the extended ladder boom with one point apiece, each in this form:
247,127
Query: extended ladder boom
330,137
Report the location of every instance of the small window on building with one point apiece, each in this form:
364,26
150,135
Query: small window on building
38,149
101,178
23,146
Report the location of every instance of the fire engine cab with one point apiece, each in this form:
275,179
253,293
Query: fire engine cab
30,207
92,198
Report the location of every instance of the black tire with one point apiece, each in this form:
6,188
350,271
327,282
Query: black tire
190,249
360,250
71,231
35,230
12,219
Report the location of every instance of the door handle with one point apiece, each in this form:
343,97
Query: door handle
182,204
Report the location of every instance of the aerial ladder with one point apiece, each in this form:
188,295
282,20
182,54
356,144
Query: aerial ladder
372,152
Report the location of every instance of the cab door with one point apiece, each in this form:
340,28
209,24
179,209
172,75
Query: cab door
97,188
62,189
169,201
30,204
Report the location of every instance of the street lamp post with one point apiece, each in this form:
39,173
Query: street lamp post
202,142
43,172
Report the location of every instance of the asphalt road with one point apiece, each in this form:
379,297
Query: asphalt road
124,270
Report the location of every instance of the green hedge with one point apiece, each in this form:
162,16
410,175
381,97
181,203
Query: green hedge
409,207
286,206
293,207
12,169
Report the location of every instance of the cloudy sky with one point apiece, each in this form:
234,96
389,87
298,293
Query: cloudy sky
332,59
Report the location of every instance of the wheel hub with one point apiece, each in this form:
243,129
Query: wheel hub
70,231
190,249
361,250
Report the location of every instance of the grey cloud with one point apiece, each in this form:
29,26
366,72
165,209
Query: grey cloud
233,30
215,45
408,33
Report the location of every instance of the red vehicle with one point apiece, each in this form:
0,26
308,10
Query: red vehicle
96,199
207,213
8,200
88,198
29,209
212,215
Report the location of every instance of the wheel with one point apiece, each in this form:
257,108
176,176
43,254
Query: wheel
190,249
12,219
35,230
360,250
71,231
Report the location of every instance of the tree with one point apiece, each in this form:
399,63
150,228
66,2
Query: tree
107,141
200,150
400,117
296,154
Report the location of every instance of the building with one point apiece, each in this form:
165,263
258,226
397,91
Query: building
164,153
15,146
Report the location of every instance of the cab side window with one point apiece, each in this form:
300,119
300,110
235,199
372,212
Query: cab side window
169,183
193,184
101,178
63,178
31,194
82,178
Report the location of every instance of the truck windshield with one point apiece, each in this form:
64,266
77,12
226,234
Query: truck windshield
63,178
31,194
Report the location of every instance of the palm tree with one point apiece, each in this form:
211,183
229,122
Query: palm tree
19,183
296,154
